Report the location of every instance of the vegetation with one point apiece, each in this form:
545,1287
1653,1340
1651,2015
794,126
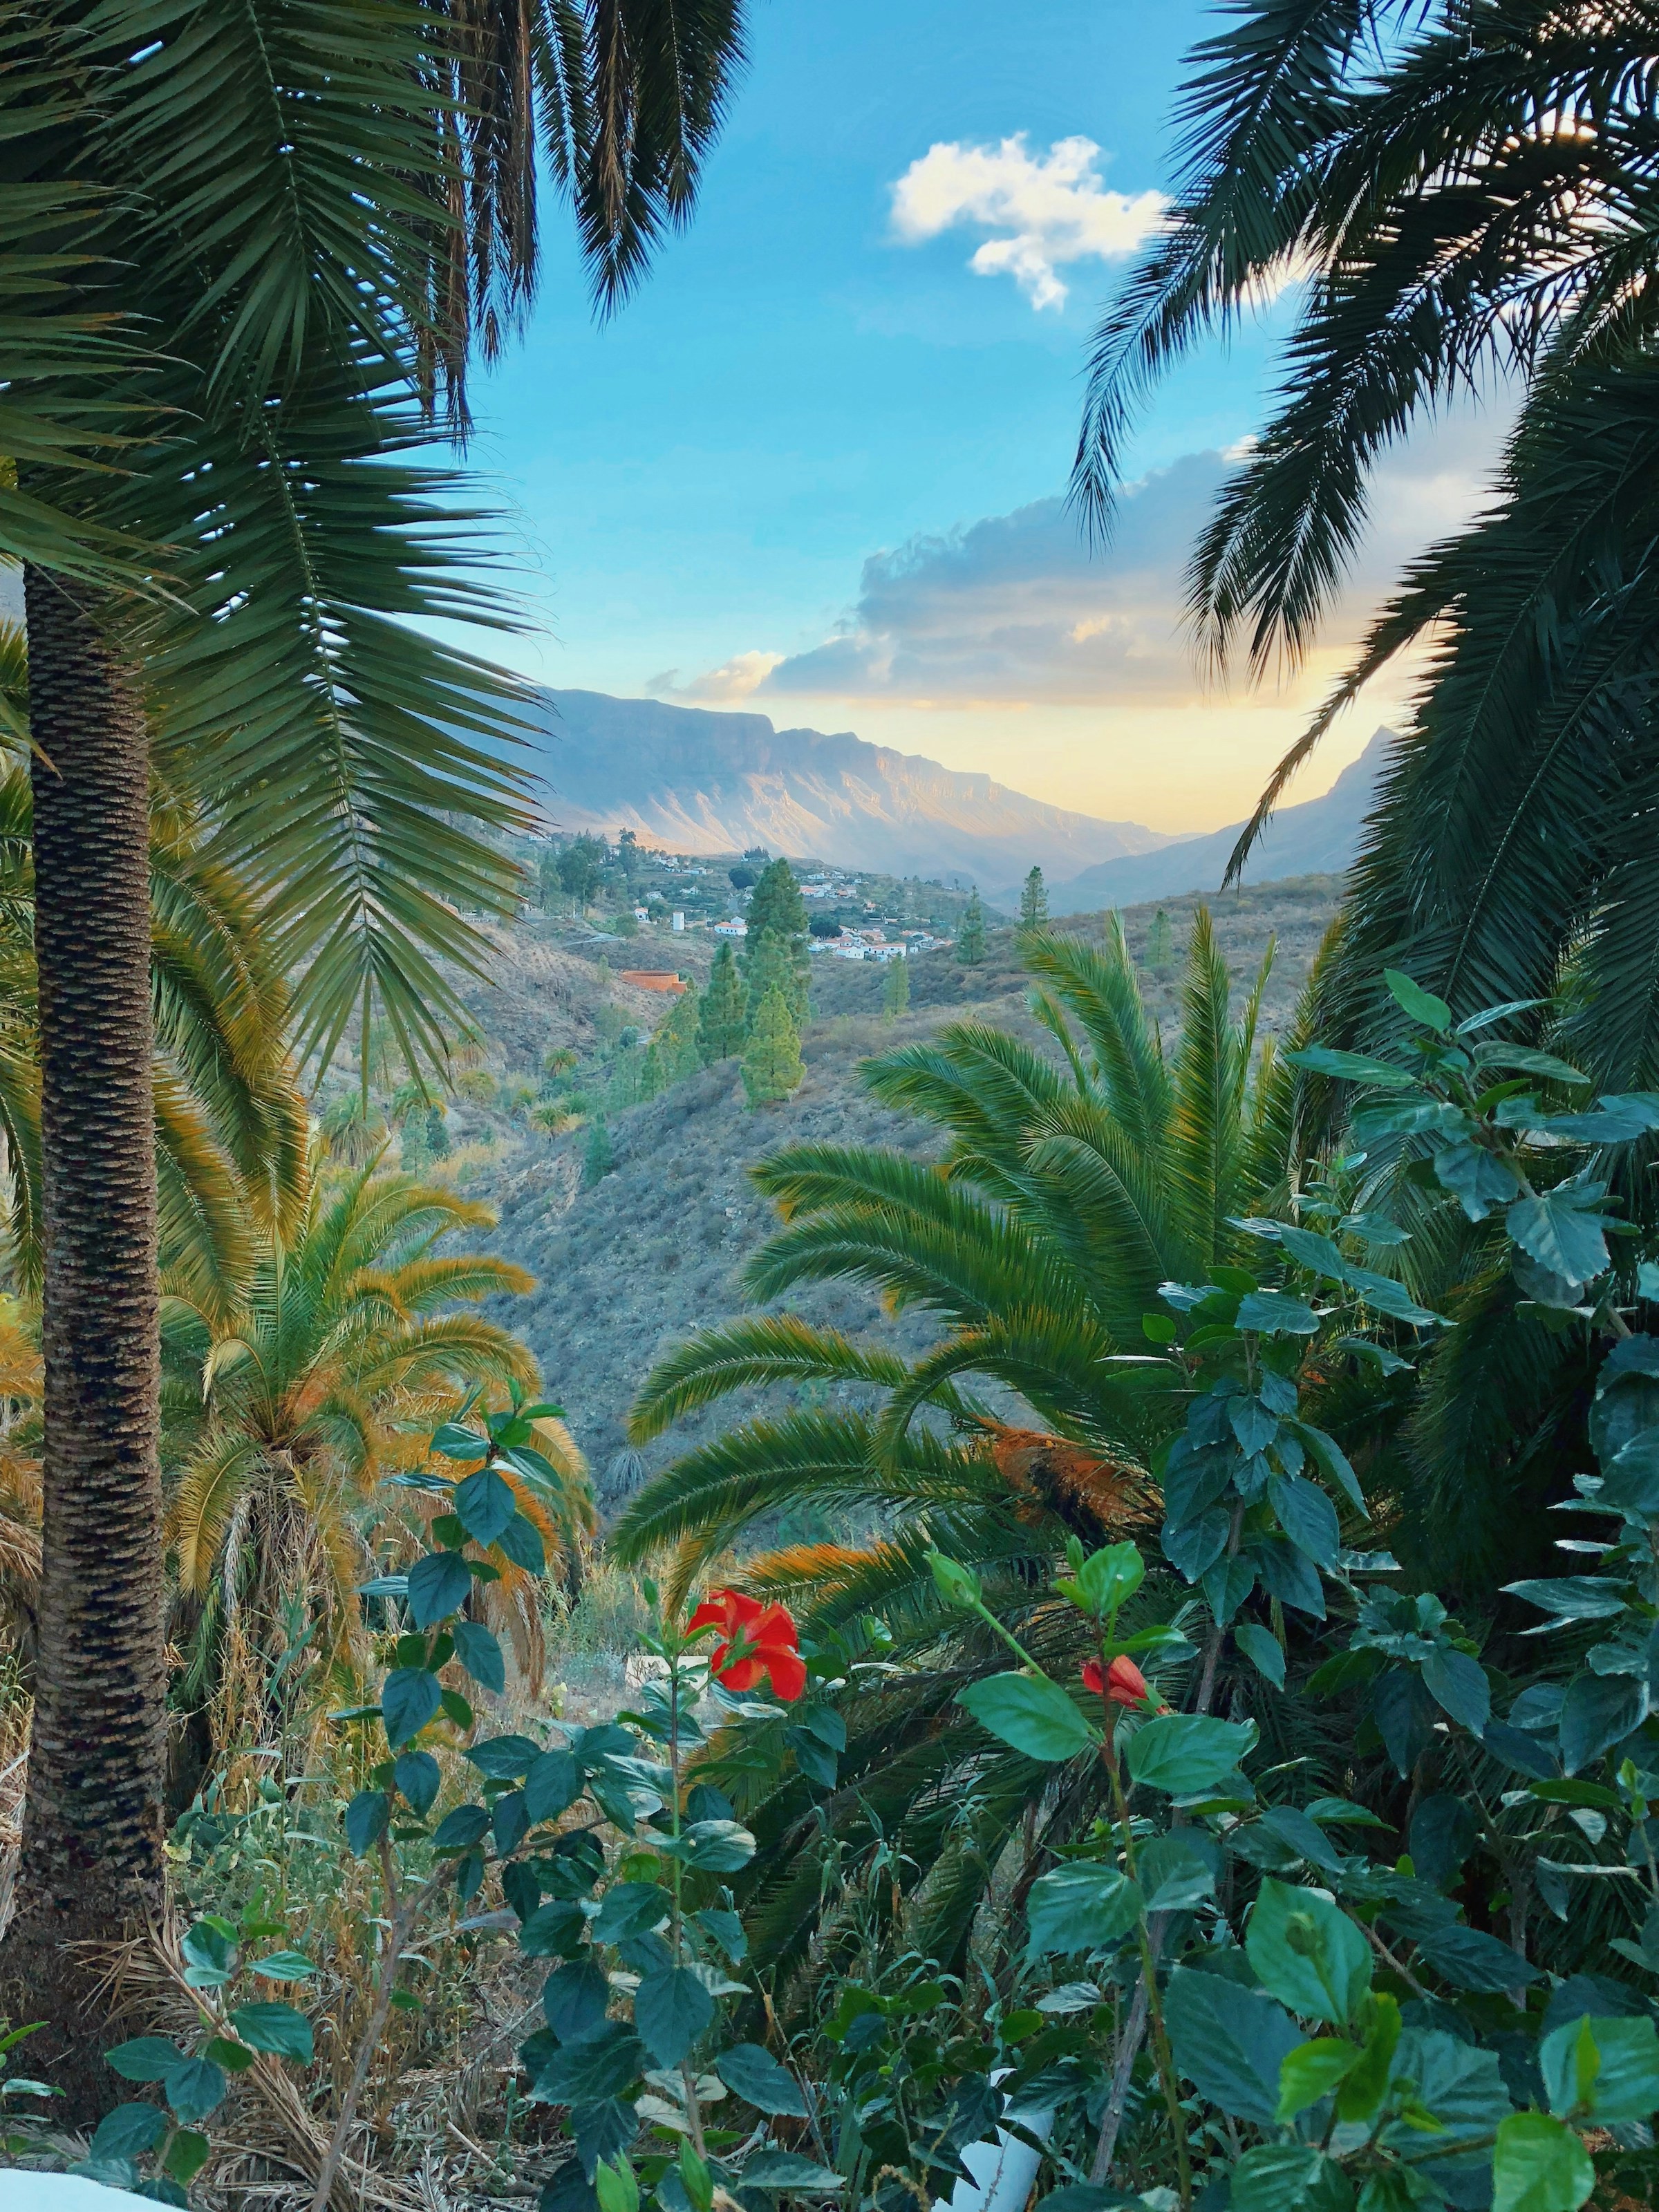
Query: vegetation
722,1020
1034,902
970,934
894,991
772,1067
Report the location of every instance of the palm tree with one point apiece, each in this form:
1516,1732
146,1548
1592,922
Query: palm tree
311,241
1072,1185
290,1420
1465,190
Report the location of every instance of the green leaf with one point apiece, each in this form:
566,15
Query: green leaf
554,1931
671,2010
552,1785
1562,1232
1307,1516
504,1758
1523,1060
366,1818
485,1504
595,2067
629,1909
478,1651
196,2088
1109,1578
129,2132
459,1830
1311,2072
1184,1754
787,2172
1033,1714
575,1999
1307,1953
409,1698
1422,1005
1351,1068
1263,1649
1272,1313
1540,2166
716,1846
1229,2041
725,1929
1289,2177
1598,1711
1469,1959
752,2073
145,2059
186,2155
455,1442
283,1967
615,2186
1605,2071
419,1777
1458,1685
1080,1906
1173,1873
521,1542
277,2029
439,1584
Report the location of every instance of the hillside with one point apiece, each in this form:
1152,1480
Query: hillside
627,1268
1318,837
697,782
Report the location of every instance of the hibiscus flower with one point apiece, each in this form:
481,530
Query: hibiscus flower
757,1642
1123,1683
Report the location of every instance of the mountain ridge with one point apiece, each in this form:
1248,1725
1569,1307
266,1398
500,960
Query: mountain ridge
698,779
1317,837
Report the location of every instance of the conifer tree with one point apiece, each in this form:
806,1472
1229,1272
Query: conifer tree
1034,902
721,1017
1160,944
774,952
894,991
771,1060
597,1163
970,934
676,1041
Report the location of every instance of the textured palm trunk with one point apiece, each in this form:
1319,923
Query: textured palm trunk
91,1865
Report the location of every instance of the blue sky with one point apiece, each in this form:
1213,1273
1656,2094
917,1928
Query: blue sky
814,467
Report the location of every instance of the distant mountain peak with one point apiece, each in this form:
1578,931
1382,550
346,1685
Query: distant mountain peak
1317,837
693,779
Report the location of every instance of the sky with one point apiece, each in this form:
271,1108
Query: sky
816,467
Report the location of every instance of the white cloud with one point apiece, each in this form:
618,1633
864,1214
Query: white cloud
734,680
1047,208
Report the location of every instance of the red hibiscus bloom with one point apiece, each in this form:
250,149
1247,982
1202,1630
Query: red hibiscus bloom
757,1642
1123,1683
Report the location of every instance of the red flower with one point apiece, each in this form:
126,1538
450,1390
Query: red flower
756,1641
1123,1683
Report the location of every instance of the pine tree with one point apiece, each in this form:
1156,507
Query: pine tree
894,991
596,1160
774,952
676,1041
1160,944
653,1076
771,1060
1034,902
970,934
720,1018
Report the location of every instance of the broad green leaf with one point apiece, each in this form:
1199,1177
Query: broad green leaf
1173,1873
521,1542
283,1967
1229,2041
595,2067
787,2172
485,1504
671,2010
1598,1711
409,1698
1289,2177
717,1846
1263,1649
1307,1516
1351,1068
1271,1313
277,2029
439,1584
630,1908
615,2186
1561,1233
366,1818
145,2059
504,1758
1033,1714
479,1652
553,1784
1184,1755
1109,1578
1422,1005
186,2155
1311,2072
1307,1953
459,1830
196,2088
575,1999
1471,1959
1080,1906
418,1775
1458,1685
1540,2166
129,2132
1604,2070
754,2075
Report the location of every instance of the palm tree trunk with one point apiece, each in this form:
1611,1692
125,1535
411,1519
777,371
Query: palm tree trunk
91,1865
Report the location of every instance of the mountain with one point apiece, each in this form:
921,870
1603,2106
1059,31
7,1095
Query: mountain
697,781
1320,837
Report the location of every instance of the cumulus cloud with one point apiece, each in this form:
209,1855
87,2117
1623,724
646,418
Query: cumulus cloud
1014,610
733,681
1045,210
